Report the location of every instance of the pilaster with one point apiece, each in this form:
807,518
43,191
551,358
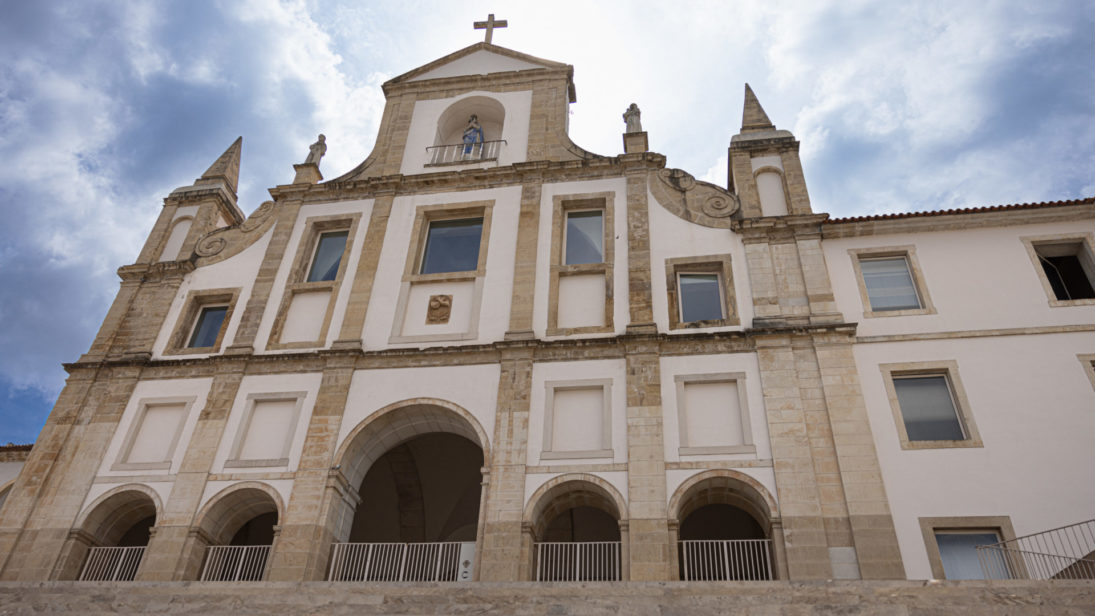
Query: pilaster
353,322
524,266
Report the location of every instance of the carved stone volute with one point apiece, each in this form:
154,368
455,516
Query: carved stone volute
227,241
695,201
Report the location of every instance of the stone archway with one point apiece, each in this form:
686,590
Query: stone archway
414,474
121,518
725,525
575,522
234,533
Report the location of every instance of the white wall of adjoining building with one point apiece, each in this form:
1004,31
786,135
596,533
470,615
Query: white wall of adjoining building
237,271
251,385
424,126
363,208
1034,408
472,388
672,237
493,318
976,278
620,311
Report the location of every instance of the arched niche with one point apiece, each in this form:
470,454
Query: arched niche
725,505
121,518
180,228
772,191
490,113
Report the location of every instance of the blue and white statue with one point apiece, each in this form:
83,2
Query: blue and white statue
473,133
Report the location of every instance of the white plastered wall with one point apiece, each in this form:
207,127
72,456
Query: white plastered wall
479,62
672,237
620,314
423,130
1034,408
977,279
493,318
151,391
269,384
238,271
472,388
362,207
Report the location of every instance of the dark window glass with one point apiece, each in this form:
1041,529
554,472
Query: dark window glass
928,409
452,246
328,256
585,238
208,327
889,284
700,297
1067,277
958,551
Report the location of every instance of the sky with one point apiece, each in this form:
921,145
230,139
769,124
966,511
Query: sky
105,107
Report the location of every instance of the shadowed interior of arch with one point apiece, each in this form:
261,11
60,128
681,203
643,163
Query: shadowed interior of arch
724,528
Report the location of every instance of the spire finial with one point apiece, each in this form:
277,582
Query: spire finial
226,168
753,117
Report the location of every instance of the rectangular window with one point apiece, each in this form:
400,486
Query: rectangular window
1068,269
958,552
929,405
577,419
889,284
712,414
452,246
153,435
701,297
208,327
266,430
584,237
328,256
927,408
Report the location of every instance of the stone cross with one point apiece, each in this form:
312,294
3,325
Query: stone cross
490,24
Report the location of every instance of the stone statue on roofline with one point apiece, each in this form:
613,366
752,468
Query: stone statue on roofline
631,119
316,151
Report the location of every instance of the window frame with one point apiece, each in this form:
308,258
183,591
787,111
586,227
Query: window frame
1086,243
234,461
566,231
195,302
915,273
709,264
315,253
1001,525
606,451
562,205
298,284
1088,362
121,463
947,369
748,446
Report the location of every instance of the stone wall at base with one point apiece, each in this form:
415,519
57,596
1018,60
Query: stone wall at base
847,598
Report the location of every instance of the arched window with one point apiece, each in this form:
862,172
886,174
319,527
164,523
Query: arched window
238,529
109,540
577,531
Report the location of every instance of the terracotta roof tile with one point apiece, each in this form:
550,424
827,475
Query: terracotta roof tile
971,210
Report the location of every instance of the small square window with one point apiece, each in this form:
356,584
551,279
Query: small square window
1068,268
452,246
927,408
958,553
952,542
584,237
208,327
929,405
700,297
328,256
889,284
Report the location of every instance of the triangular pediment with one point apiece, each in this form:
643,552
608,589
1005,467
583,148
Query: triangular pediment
478,59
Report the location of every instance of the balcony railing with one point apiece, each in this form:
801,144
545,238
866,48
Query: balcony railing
235,563
112,564
457,153
739,559
1066,553
592,561
401,562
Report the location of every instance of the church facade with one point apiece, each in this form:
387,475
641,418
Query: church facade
486,354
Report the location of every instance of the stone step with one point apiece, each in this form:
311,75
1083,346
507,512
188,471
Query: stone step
846,598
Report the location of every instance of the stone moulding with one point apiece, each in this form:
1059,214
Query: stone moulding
226,242
692,200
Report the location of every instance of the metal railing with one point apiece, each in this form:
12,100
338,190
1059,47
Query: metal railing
112,564
456,153
1065,553
401,562
738,559
235,563
578,561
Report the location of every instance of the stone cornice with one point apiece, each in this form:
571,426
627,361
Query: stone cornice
780,228
154,272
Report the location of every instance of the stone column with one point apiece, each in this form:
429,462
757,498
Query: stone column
501,541
173,551
648,524
524,266
304,545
